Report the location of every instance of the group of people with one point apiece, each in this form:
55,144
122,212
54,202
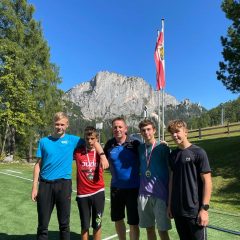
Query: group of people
149,182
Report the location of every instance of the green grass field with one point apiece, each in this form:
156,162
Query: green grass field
18,215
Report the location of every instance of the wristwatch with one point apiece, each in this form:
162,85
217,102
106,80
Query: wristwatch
205,207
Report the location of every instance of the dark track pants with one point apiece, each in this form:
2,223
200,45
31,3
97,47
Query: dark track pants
52,193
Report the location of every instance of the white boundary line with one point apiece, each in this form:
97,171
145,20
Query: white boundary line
114,236
28,179
8,170
17,176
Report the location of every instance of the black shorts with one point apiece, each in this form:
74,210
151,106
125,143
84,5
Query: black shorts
121,199
188,228
91,206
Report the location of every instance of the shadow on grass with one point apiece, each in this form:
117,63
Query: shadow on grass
224,156
228,201
52,235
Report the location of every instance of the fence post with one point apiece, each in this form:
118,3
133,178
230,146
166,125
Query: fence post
228,130
199,133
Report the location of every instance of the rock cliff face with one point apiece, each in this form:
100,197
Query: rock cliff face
108,95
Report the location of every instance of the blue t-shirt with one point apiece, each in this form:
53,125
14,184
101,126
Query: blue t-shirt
124,163
157,184
57,156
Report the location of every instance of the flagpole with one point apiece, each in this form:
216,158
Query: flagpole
163,95
159,118
159,110
163,105
160,69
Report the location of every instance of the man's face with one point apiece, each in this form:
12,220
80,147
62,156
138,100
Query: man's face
91,140
119,129
60,126
179,135
148,132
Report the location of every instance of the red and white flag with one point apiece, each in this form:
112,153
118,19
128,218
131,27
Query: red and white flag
159,61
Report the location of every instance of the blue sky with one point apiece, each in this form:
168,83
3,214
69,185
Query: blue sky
88,36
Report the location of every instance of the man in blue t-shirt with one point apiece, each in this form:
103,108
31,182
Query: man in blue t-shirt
122,154
154,176
52,174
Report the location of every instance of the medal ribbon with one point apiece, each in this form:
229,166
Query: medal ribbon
94,157
148,158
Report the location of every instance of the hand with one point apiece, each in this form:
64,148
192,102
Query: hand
203,218
104,162
169,212
34,194
163,142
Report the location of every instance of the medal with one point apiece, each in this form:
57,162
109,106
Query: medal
148,173
148,160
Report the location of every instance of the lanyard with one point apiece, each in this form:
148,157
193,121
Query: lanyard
90,164
148,158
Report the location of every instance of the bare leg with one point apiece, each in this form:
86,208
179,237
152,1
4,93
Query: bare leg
151,234
84,234
163,235
97,234
121,229
134,232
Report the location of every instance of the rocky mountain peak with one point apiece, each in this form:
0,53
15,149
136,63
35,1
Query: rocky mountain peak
109,94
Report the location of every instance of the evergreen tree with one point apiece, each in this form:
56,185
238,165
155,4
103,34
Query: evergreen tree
28,80
229,72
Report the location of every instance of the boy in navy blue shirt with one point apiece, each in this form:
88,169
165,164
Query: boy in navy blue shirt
190,185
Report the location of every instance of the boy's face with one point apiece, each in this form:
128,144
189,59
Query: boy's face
60,126
148,133
119,129
179,135
91,140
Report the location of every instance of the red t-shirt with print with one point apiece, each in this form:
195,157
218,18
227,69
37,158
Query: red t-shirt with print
89,173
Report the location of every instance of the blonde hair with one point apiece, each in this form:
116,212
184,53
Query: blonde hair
176,124
59,115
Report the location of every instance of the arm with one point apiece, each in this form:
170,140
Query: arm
36,172
207,189
103,159
169,212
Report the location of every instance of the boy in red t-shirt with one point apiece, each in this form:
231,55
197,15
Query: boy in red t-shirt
90,185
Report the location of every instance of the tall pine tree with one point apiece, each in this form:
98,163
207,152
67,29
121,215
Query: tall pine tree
28,80
229,72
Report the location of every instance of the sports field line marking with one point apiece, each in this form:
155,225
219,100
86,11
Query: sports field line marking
28,179
8,170
16,176
32,180
113,236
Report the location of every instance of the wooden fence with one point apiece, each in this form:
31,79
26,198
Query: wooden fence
223,130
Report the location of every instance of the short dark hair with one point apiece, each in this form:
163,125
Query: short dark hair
145,123
119,119
176,124
89,130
